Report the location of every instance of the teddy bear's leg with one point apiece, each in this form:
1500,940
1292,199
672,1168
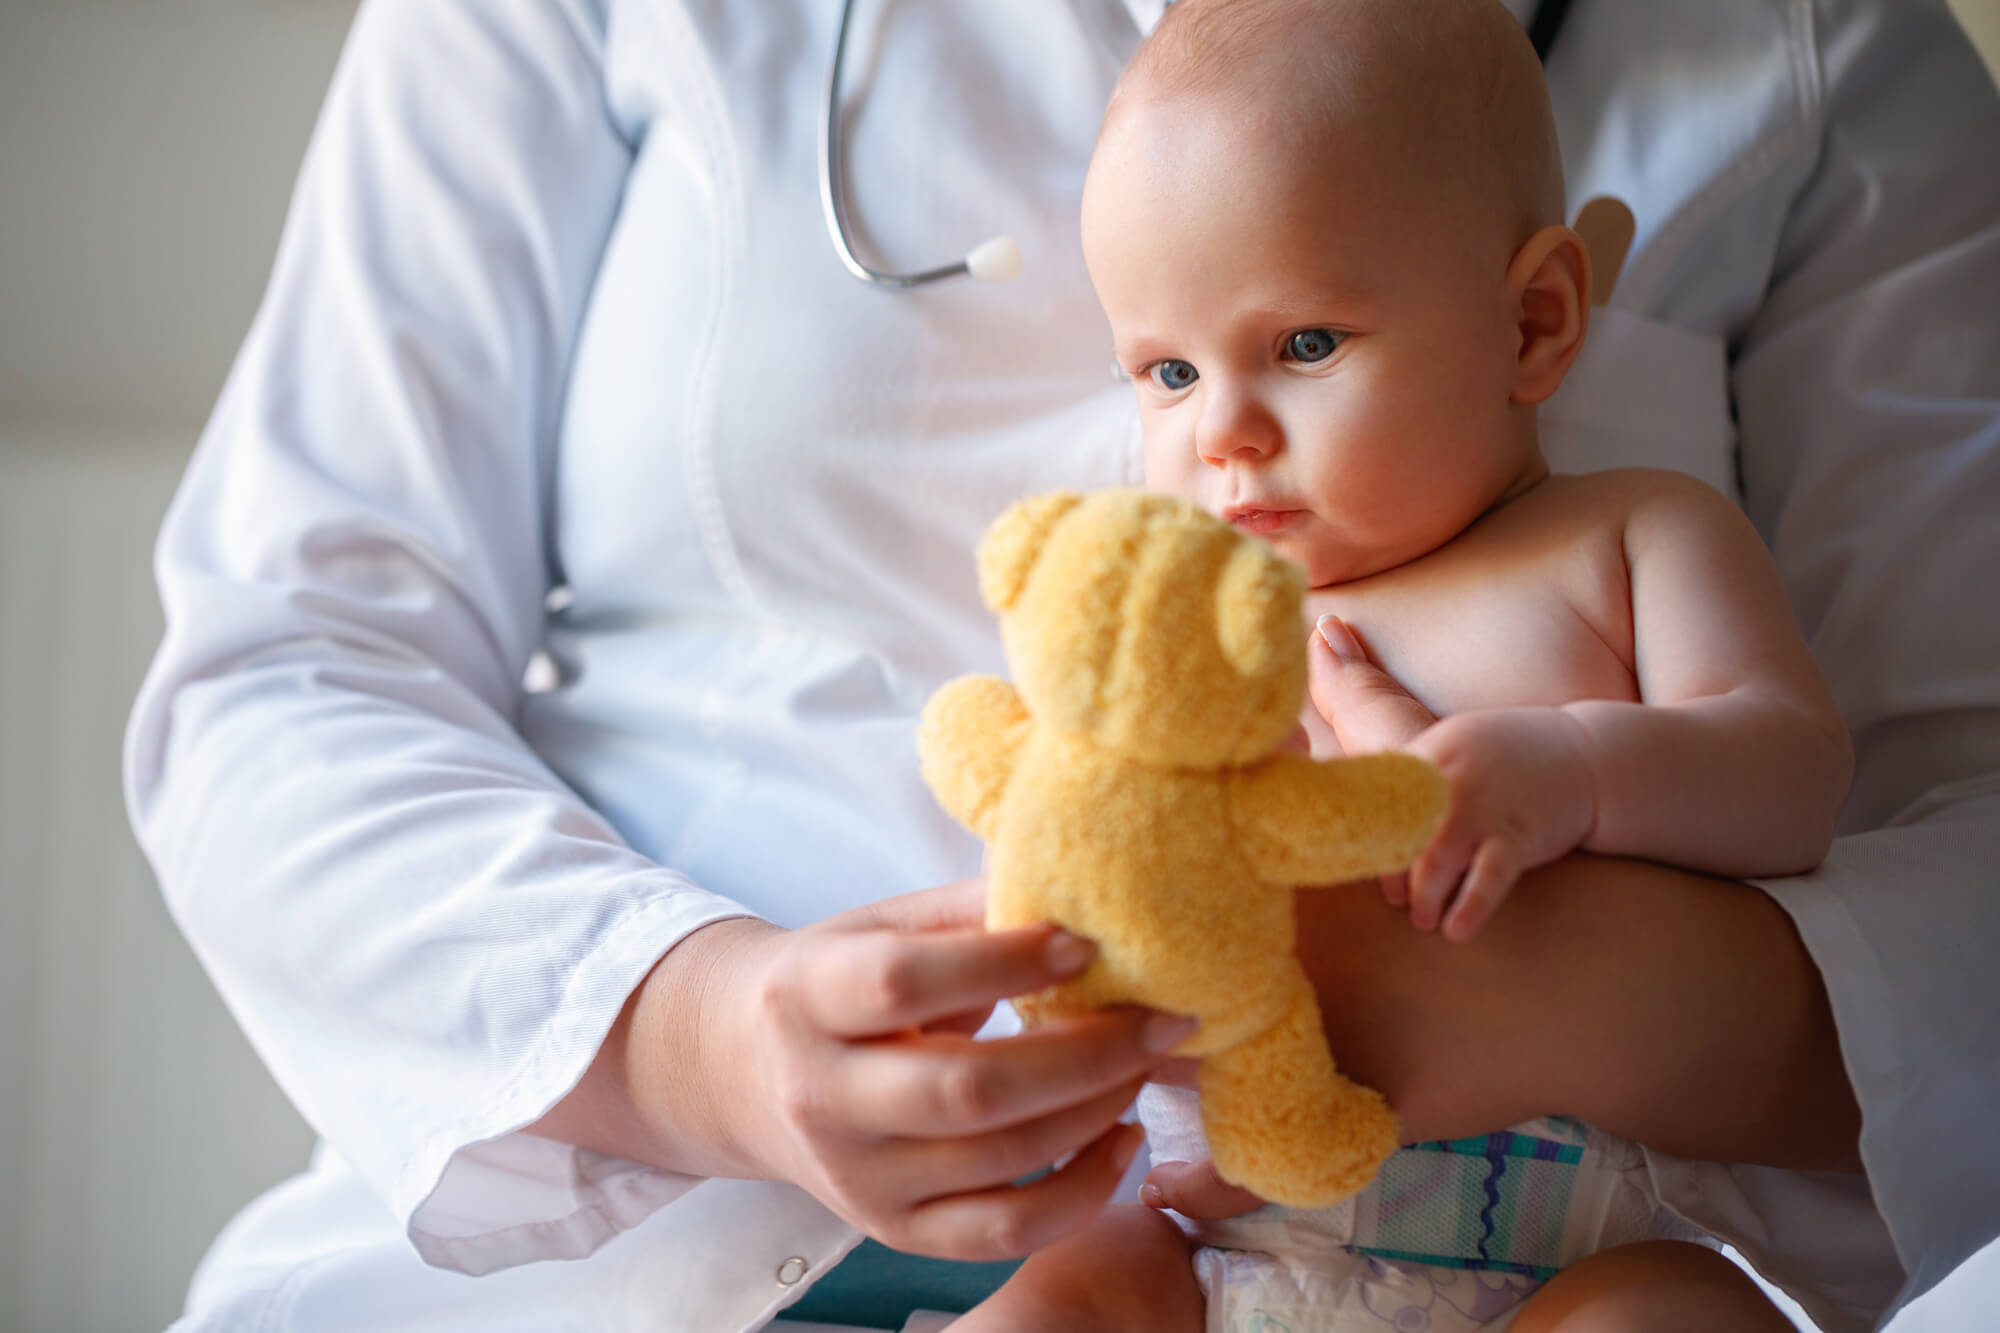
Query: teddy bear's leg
1283,1124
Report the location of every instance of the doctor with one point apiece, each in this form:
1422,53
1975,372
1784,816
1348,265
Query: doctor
558,366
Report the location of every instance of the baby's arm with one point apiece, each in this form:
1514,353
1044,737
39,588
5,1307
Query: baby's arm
1735,763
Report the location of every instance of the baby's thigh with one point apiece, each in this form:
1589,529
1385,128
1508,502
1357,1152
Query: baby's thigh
1655,1286
1128,1270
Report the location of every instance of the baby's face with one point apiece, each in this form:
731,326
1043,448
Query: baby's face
1323,357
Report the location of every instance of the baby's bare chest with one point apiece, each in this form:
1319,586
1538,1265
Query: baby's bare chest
1523,615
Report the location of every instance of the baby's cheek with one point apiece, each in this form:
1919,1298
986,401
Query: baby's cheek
1170,464
1163,472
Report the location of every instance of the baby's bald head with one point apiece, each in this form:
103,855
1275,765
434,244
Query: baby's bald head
1327,238
1446,96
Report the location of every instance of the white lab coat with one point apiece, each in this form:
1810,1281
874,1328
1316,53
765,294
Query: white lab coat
555,309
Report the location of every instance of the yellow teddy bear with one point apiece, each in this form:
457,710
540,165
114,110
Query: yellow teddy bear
1131,791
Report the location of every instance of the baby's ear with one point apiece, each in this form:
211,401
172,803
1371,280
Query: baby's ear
1549,279
1257,609
1014,543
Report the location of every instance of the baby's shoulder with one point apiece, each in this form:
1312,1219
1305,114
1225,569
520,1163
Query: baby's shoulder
1663,524
1616,499
1621,490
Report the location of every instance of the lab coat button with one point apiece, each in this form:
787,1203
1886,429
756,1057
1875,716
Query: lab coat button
790,1271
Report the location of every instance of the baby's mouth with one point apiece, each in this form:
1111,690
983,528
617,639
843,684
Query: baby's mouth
1260,522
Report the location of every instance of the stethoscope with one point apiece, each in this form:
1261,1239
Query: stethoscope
998,257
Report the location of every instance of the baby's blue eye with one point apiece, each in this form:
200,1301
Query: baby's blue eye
1312,344
1174,375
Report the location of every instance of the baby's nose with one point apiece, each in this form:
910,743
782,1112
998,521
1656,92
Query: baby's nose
1236,428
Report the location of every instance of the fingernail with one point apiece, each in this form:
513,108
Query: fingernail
1066,953
1163,1032
1339,638
1151,1196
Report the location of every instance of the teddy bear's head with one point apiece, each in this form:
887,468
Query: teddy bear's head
1144,624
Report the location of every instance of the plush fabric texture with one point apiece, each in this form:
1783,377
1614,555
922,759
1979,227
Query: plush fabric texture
1129,788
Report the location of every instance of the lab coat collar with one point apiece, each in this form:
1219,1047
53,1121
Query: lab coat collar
1146,13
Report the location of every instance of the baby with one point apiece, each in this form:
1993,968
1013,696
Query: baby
1328,237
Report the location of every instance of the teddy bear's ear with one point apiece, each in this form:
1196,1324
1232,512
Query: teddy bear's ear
1256,608
1014,543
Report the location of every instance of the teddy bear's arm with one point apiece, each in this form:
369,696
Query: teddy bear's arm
969,739
1303,822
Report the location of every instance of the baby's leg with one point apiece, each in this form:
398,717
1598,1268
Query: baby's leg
1128,1270
1655,1286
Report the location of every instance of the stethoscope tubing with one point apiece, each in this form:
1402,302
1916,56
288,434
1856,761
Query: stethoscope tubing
833,183
1547,23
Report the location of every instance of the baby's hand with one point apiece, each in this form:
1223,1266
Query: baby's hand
1520,783
1520,795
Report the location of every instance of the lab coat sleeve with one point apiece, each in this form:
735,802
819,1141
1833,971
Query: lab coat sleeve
423,932
1868,398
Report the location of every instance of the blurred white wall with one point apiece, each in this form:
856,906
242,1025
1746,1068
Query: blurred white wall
1982,21
146,153
133,1117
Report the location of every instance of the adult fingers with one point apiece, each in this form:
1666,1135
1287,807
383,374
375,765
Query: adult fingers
1396,888
1494,870
931,1168
944,1086
961,904
1368,710
877,982
1195,1189
966,1024
1011,1221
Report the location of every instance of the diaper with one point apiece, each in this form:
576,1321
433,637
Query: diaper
1452,1235
1345,1291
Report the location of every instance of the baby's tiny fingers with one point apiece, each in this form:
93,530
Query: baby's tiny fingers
1396,888
1434,878
1494,870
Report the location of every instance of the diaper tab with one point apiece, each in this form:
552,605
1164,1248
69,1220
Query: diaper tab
1523,1201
